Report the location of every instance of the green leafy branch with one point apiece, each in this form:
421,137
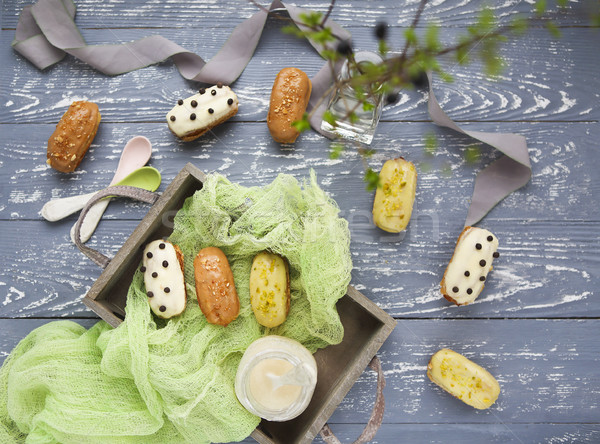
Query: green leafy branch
407,68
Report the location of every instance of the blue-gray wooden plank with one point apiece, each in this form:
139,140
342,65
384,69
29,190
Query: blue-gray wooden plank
537,275
544,368
433,433
544,270
564,157
558,83
153,14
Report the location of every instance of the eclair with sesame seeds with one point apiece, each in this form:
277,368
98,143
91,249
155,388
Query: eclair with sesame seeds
162,266
215,286
289,99
73,136
393,204
192,117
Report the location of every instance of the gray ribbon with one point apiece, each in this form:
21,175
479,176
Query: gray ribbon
46,32
501,177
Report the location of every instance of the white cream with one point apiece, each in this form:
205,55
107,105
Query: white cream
189,119
263,390
265,361
163,279
468,259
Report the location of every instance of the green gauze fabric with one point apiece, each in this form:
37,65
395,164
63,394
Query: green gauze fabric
156,381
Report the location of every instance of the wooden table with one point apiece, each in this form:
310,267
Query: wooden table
536,325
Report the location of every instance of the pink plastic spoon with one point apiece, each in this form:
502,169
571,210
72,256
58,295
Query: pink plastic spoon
136,154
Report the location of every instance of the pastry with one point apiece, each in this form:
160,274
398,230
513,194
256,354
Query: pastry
73,136
162,265
464,379
289,98
394,200
467,271
194,116
215,287
270,289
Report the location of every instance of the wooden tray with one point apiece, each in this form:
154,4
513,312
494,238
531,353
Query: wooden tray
366,326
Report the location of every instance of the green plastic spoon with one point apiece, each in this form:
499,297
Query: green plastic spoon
145,177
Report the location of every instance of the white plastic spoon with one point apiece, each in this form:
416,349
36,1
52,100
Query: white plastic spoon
58,209
136,154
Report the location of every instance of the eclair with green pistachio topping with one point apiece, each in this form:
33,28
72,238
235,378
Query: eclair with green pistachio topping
394,199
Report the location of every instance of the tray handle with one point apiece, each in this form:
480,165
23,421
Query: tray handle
116,191
376,418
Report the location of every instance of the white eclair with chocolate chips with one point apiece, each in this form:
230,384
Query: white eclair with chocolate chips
162,266
194,116
467,271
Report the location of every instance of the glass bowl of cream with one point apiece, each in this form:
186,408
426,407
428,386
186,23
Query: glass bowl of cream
276,378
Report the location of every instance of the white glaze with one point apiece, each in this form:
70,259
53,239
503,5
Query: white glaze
170,276
184,125
466,258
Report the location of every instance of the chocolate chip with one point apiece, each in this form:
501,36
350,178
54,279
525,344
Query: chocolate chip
490,238
219,85
155,274
172,118
213,92
455,289
202,91
165,264
162,308
478,246
180,102
143,269
161,246
149,255
192,116
482,262
150,294
467,274
482,278
194,104
210,110
496,254
167,290
469,291
229,101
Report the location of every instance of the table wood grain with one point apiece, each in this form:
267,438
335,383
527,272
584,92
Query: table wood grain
535,326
